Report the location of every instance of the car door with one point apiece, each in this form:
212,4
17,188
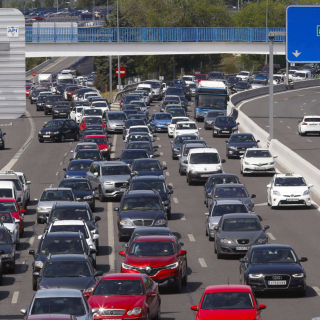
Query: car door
74,128
66,130
151,298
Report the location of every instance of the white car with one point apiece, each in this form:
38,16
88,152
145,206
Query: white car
186,127
288,190
75,113
309,124
100,105
11,224
139,129
173,123
256,160
90,112
245,76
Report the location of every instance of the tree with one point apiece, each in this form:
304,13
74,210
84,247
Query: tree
49,3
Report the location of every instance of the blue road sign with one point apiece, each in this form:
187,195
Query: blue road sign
303,34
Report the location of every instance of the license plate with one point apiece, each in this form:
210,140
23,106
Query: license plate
62,114
277,283
259,168
205,175
241,151
242,248
292,199
46,136
225,131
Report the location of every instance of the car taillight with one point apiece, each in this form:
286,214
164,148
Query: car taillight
305,124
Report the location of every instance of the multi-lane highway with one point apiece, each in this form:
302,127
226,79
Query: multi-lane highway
43,164
289,107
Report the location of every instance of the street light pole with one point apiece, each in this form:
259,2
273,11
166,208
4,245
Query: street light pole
93,12
271,37
266,28
119,79
57,6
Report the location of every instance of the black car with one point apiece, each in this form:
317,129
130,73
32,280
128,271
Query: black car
242,86
139,208
35,94
273,267
60,109
224,125
90,154
41,101
93,127
74,104
177,112
238,143
7,252
92,133
49,103
139,136
147,167
130,123
138,116
82,189
146,145
218,178
72,271
58,243
59,130
210,118
232,80
2,142
157,183
177,143
187,92
129,155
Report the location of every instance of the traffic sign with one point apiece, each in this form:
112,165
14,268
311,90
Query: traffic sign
34,74
303,34
123,72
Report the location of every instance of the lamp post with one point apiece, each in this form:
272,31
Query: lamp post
267,29
119,79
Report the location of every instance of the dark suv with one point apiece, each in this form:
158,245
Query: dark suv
58,243
137,209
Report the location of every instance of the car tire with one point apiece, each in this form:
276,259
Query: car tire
169,215
179,285
62,138
120,238
185,279
2,147
205,127
211,238
38,108
45,112
189,181
34,284
207,232
215,249
76,137
12,270
228,156
158,316
41,141
102,198
219,255
302,134
0,278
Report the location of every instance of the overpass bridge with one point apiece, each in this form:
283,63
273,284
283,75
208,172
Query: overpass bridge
102,41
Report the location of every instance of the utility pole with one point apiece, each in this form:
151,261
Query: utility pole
110,78
119,79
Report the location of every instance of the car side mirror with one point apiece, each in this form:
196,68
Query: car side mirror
171,142
36,274
23,311
19,199
31,252
122,253
238,124
170,192
216,228
64,169
96,174
95,237
71,159
16,220
258,141
269,185
185,161
266,227
310,185
94,188
303,259
116,209
194,308
253,196
97,218
241,157
262,306
223,160
125,245
98,273
4,134
28,182
164,168
92,251
209,196
95,310
275,157
207,214
182,252
227,141
243,260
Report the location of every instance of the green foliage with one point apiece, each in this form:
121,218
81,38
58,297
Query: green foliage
48,3
33,62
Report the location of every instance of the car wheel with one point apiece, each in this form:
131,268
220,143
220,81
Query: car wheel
102,198
62,138
76,137
207,232
211,238
97,248
169,215
189,181
120,238
179,285
205,127
13,269
34,284
45,112
0,277
38,108
219,255
215,249
2,147
228,156
302,134
158,316
185,279
40,140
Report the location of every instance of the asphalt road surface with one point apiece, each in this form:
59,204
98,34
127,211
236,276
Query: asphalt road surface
289,107
43,164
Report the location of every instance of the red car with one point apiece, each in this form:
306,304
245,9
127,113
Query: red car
91,120
102,142
125,296
11,205
27,90
199,77
160,257
228,302
70,91
38,19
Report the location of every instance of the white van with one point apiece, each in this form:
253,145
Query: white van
8,190
64,78
142,86
301,75
201,163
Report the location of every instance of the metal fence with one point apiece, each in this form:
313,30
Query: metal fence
102,34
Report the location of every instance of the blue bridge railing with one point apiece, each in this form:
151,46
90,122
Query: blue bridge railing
102,34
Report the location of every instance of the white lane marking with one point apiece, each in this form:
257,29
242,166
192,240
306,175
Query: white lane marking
154,110
267,126
167,174
309,140
304,104
159,146
31,241
183,218
70,143
51,185
313,100
15,297
164,163
158,138
276,102
170,184
201,138
288,127
285,98
161,153
24,147
191,238
65,154
61,163
317,290
271,236
57,173
175,200
301,95
281,121
261,204
202,263
111,238
305,113
296,133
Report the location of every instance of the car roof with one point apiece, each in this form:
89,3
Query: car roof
68,222
67,204
287,175
112,163
237,185
148,178
311,116
122,276
7,200
96,136
157,238
82,160
182,122
50,316
85,150
271,246
86,143
121,112
227,288
61,293
142,142
4,175
68,257
6,184
63,234
146,159
218,175
203,150
220,201
144,193
57,189
193,144
256,148
242,134
156,113
153,229
239,215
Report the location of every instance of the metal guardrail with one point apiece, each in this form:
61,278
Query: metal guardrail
40,66
127,89
102,34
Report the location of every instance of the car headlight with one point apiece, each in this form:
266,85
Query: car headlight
135,311
235,128
209,122
232,148
176,149
55,111
68,176
57,132
271,163
126,266
212,225
157,124
166,202
126,222
218,168
192,171
246,163
255,275
160,222
306,192
298,275
226,241
216,128
40,132
38,264
172,266
276,193
8,255
106,149
41,209
108,183
87,197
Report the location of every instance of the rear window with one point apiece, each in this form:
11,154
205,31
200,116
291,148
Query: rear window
6,193
311,120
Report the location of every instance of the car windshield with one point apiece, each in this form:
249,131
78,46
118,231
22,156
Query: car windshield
214,114
220,210
241,224
311,120
6,217
61,245
231,192
171,99
97,140
139,137
259,82
8,206
241,138
146,146
162,117
93,127
141,203
212,102
258,154
180,139
100,105
186,126
135,122
90,155
70,213
16,183
79,166
147,166
186,78
290,182
93,112
75,185
54,123
174,121
59,305
225,120
152,248
6,193
299,74
204,158
93,120
134,154
227,301
131,98
148,185
56,195
79,109
118,287
176,113
172,91
273,255
140,103
115,170
4,238
222,180
61,269
187,149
